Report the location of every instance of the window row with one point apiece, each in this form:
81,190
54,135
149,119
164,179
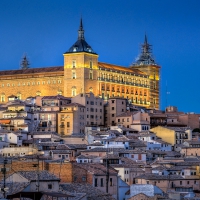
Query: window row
127,91
31,83
74,64
123,79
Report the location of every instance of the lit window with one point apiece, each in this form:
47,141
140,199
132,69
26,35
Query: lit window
91,75
73,64
19,95
73,75
90,64
2,98
8,84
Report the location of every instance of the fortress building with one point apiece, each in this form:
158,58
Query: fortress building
83,73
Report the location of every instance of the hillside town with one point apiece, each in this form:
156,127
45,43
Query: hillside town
84,147
91,130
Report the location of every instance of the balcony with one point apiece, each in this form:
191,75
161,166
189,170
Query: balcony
122,82
62,126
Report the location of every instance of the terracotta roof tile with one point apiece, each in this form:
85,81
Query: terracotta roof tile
31,70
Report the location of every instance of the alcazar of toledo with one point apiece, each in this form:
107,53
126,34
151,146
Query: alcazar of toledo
82,73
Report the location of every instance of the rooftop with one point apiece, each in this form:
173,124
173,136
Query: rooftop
92,192
43,175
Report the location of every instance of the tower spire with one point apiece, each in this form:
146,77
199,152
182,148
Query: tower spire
145,39
145,57
81,31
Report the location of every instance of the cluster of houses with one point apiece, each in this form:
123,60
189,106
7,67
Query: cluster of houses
85,148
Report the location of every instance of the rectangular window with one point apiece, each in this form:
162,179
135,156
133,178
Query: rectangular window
113,108
68,124
91,75
101,182
111,182
95,182
90,64
73,75
73,64
50,186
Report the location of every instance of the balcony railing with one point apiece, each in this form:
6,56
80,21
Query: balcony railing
122,82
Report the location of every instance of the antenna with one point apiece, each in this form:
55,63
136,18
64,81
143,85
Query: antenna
107,170
166,95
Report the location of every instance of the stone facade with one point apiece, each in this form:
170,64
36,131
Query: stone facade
83,73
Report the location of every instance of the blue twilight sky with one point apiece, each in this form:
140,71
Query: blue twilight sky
115,29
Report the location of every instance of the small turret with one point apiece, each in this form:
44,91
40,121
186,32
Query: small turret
80,45
146,57
24,63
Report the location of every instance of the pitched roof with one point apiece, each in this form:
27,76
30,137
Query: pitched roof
32,71
33,175
120,68
59,97
149,176
96,168
92,192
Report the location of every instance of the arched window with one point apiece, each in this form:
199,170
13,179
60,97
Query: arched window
2,97
38,93
59,92
91,89
74,91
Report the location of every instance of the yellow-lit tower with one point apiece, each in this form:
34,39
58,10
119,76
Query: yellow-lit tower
146,63
80,67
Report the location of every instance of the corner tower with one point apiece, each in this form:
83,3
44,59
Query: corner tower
80,67
146,63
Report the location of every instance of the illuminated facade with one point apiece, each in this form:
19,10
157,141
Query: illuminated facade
82,73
